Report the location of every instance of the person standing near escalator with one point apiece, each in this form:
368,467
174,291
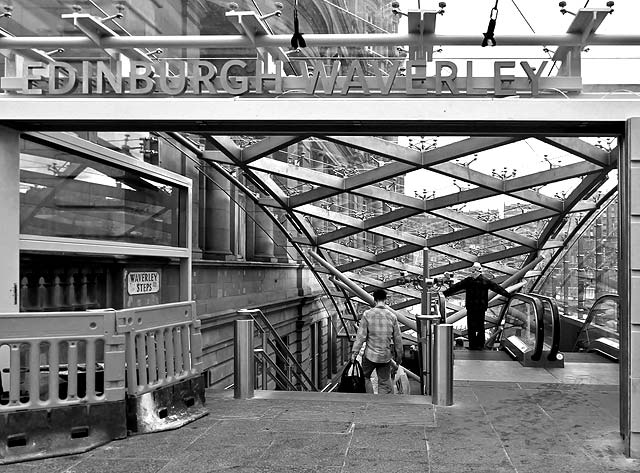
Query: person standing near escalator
380,329
477,288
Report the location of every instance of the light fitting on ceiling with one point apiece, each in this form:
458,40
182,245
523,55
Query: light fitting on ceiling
117,16
395,9
278,12
563,10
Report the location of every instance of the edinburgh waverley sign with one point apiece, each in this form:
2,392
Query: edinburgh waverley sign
237,77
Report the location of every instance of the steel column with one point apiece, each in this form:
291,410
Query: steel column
443,365
629,288
9,216
243,365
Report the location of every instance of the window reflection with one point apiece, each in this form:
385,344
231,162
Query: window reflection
64,195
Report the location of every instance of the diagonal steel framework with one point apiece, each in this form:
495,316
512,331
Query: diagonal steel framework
343,197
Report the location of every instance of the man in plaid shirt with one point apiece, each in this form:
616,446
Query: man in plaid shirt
379,328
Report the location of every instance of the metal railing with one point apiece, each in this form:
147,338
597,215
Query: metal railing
285,370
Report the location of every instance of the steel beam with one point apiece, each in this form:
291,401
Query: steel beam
267,146
312,40
402,318
580,148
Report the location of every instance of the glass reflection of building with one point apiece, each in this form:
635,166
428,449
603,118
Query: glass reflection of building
587,268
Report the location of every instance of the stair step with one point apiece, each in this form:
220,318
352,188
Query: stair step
394,399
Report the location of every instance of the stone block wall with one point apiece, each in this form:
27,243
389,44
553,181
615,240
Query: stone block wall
287,294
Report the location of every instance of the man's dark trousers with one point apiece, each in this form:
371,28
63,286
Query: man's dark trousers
475,329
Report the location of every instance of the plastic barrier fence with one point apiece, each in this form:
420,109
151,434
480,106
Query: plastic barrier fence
164,345
74,380
61,359
63,383
164,362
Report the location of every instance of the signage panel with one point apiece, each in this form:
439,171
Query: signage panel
143,282
353,78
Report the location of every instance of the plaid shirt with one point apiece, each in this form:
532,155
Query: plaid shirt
380,329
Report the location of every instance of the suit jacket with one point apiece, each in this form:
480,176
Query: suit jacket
477,292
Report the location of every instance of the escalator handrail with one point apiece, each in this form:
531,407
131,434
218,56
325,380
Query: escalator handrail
538,309
555,326
592,313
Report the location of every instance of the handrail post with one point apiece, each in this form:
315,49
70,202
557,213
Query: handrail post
443,365
425,350
265,342
243,361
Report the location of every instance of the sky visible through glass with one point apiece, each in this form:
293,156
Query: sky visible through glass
600,65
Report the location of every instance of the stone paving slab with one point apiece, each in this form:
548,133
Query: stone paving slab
492,427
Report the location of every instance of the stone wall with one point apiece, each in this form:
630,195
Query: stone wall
287,294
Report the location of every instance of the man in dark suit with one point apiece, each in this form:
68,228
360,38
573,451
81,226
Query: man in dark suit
477,289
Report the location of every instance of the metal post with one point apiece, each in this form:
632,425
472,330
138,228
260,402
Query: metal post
426,296
421,322
264,367
443,365
243,366
425,350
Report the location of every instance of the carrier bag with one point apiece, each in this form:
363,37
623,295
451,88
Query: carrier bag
401,383
352,379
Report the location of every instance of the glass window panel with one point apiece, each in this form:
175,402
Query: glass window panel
64,195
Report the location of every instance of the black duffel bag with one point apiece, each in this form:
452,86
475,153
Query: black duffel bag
352,380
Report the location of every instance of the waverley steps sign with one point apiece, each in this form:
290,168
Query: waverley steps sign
238,77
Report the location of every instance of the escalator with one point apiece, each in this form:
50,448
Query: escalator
600,332
529,330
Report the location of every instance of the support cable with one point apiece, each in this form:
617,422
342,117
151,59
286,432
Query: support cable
355,16
544,47
122,28
297,41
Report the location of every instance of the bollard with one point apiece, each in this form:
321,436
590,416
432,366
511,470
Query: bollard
425,350
443,365
243,365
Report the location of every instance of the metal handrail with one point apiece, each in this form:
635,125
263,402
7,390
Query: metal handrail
299,371
538,309
555,325
591,314
442,306
279,352
259,352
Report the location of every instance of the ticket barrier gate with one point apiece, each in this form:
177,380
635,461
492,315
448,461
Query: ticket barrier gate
76,380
